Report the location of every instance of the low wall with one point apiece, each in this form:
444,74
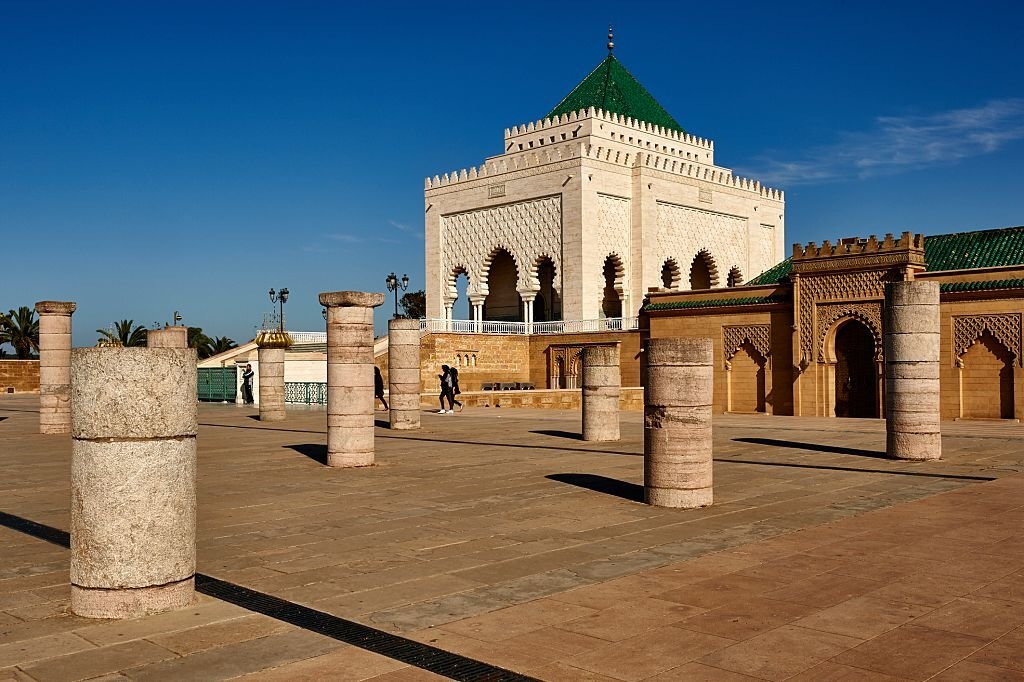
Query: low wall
19,376
631,399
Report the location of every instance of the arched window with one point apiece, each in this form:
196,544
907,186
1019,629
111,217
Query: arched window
703,273
502,302
735,277
670,274
611,302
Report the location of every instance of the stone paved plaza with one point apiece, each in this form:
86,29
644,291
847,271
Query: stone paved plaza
499,535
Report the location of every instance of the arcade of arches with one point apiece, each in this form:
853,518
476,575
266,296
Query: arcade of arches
805,337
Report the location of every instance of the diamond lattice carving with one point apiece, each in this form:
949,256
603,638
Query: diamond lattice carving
759,336
528,230
613,236
682,231
1005,328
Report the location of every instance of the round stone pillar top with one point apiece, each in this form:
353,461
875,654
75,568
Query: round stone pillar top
680,351
56,307
168,337
351,299
133,392
913,292
403,324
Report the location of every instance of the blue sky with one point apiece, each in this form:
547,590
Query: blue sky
189,156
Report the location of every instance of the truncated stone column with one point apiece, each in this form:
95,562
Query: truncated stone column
912,370
350,376
271,357
133,470
677,423
601,388
55,365
168,337
404,373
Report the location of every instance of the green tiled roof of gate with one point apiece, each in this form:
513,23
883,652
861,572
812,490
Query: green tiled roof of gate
716,302
981,285
611,88
956,251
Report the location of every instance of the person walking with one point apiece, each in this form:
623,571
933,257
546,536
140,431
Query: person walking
247,376
378,386
446,390
455,386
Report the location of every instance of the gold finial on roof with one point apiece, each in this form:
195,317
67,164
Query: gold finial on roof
611,36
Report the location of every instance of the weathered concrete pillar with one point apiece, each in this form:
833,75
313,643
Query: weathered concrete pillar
168,337
55,365
350,376
601,388
912,370
133,470
270,354
677,422
404,373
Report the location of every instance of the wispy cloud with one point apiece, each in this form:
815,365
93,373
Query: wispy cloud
345,237
901,143
406,229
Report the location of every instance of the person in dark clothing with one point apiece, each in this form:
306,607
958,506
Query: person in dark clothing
378,386
447,390
455,386
247,376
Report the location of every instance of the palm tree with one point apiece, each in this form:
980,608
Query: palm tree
20,328
198,340
218,345
125,333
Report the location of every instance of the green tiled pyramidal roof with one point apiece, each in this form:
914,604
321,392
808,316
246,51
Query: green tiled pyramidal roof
956,251
611,88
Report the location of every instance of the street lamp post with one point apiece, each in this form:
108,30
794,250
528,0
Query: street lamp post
280,297
394,284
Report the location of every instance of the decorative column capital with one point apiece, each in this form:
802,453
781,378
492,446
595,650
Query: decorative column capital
273,338
351,299
56,307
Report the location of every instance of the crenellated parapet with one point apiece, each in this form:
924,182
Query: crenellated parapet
610,154
609,117
907,251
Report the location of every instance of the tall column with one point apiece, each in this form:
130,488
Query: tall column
168,337
677,422
912,370
404,373
133,470
55,365
601,387
350,376
272,345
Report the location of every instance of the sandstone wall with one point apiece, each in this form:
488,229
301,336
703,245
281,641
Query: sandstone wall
19,376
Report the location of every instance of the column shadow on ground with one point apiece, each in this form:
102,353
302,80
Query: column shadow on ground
796,445
315,451
559,434
602,484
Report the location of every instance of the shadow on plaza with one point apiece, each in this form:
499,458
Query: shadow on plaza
315,451
796,445
602,484
559,434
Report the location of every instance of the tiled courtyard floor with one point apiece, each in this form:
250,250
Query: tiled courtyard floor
498,535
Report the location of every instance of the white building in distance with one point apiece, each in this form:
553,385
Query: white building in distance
585,210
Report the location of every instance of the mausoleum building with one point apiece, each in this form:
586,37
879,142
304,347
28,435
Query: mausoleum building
585,209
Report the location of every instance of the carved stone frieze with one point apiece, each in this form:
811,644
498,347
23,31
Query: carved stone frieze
838,286
1006,328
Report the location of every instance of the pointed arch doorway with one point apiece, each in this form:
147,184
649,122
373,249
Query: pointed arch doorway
856,381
